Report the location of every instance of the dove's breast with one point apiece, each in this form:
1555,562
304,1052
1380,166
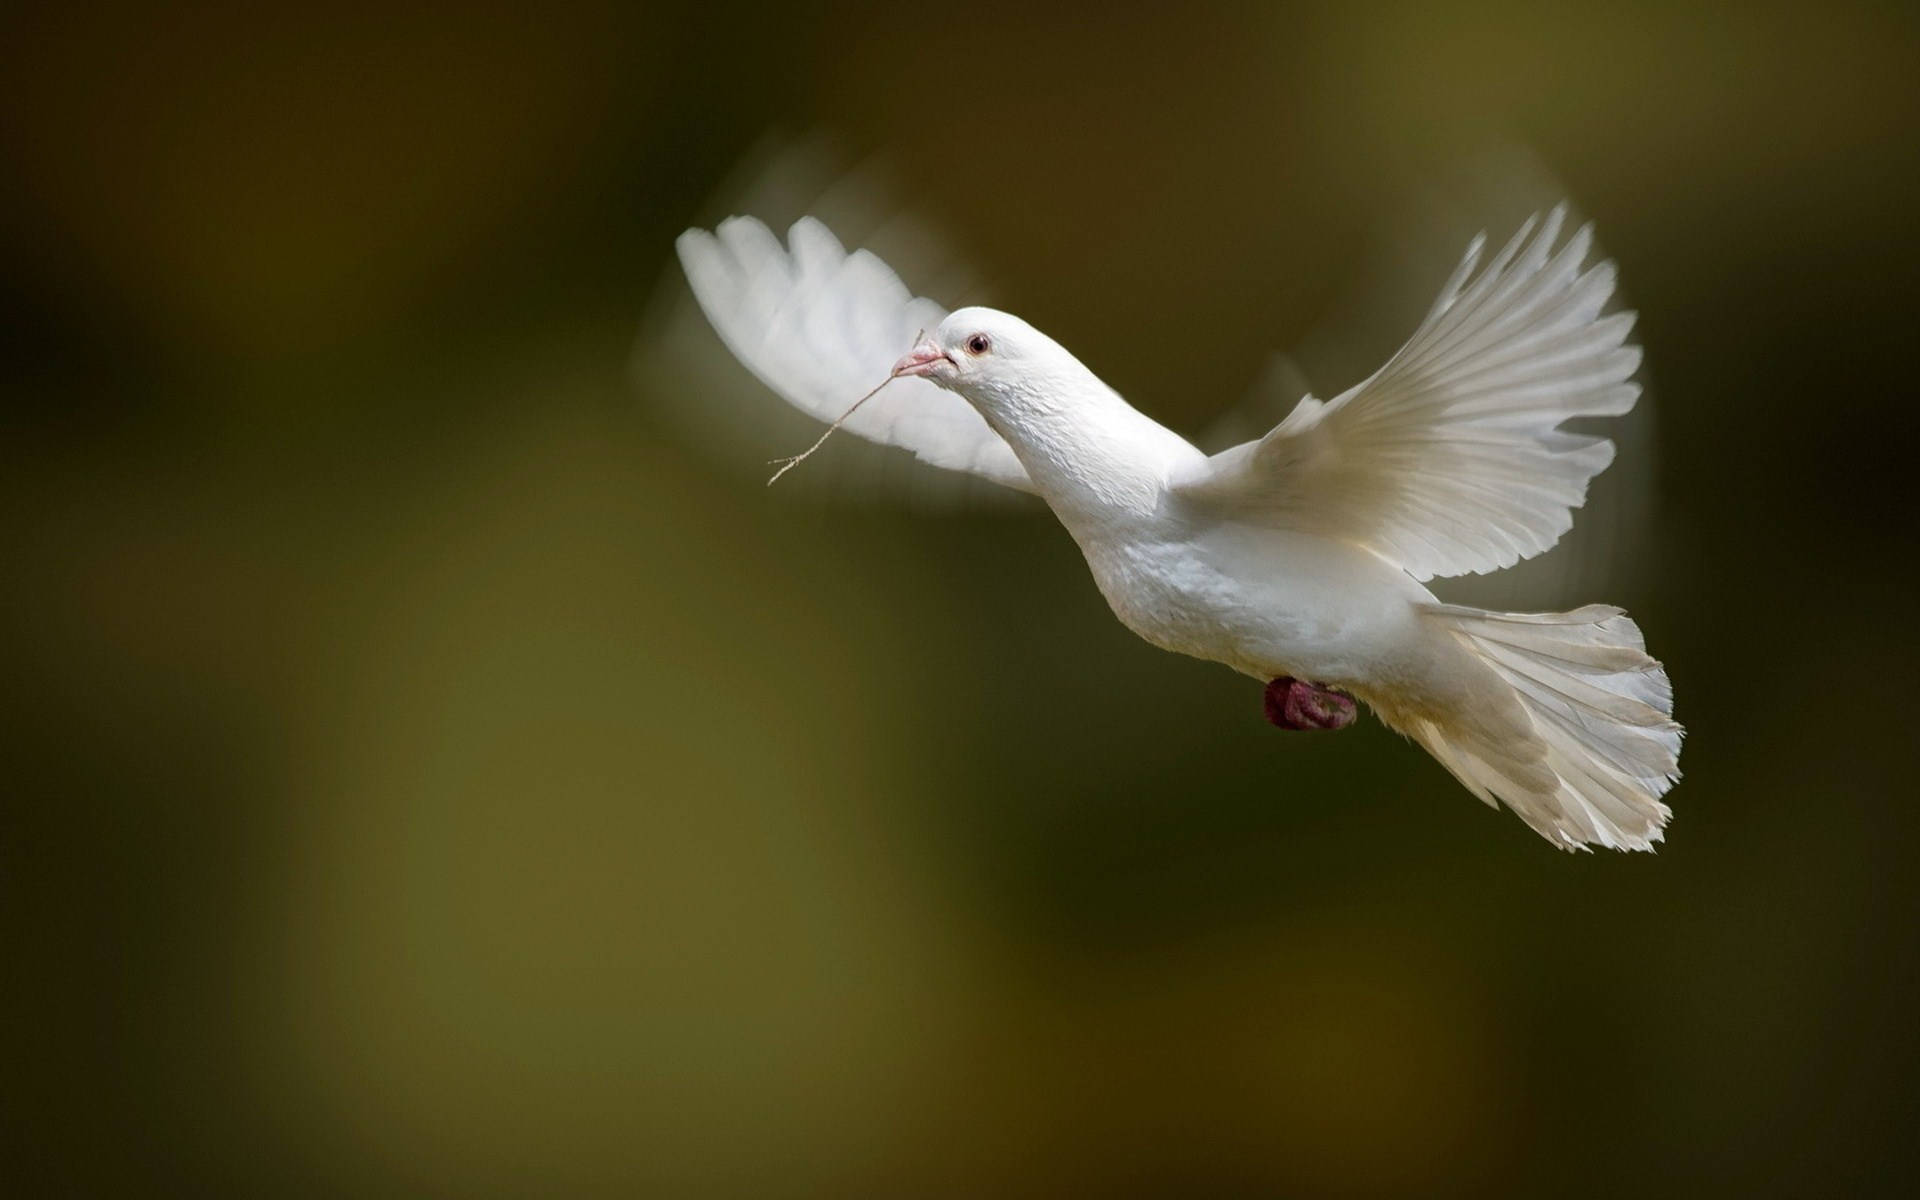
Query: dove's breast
1266,602
1165,592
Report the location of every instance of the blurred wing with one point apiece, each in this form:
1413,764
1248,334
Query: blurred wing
1450,459
822,327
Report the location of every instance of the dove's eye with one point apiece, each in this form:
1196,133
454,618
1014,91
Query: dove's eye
979,344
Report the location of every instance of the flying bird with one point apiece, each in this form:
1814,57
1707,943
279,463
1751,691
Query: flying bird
1299,558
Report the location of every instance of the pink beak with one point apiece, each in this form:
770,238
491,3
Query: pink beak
921,359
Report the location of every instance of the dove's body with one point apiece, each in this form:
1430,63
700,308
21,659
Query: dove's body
1193,579
1193,576
1297,557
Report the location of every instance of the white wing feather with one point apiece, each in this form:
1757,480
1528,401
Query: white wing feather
1450,459
822,327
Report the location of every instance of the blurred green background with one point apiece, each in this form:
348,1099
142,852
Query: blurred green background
436,771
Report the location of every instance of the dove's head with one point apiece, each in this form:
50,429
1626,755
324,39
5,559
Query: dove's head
995,360
1084,448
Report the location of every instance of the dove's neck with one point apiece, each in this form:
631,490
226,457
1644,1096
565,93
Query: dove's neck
1095,459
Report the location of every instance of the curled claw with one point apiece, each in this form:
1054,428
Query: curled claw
1297,704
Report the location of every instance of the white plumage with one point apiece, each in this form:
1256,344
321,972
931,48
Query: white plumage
1299,555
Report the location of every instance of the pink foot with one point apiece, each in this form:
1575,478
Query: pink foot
1296,704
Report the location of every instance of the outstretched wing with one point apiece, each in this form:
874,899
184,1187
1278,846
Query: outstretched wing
1450,459
822,327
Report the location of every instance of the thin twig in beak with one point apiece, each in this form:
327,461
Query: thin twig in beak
788,464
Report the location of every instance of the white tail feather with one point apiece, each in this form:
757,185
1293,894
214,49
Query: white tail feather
1583,745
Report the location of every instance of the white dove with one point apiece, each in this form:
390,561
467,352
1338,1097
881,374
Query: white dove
1299,558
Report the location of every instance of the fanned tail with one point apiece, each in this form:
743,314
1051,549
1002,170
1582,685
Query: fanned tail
1583,744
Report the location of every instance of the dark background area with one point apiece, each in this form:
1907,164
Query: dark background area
434,771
